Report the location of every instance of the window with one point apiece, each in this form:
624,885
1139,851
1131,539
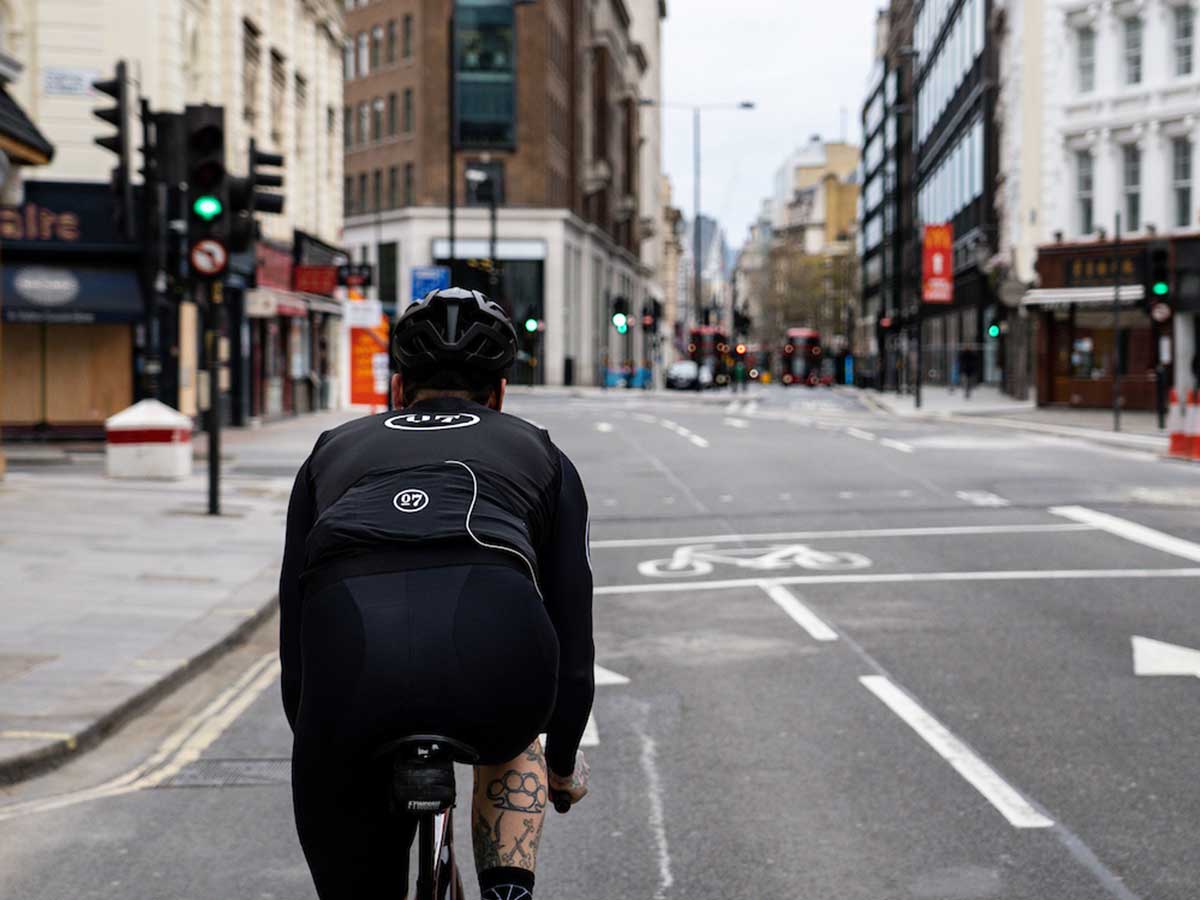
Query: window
300,97
377,190
348,61
252,60
377,119
409,186
348,196
1083,190
388,255
1184,22
362,192
393,195
391,42
1131,166
408,111
364,122
1086,59
1181,180
1133,51
364,54
391,115
406,47
376,47
348,127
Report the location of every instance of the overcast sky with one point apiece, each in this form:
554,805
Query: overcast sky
800,61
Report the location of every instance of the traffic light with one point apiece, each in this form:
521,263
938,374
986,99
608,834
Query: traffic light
245,198
208,190
740,349
1159,272
531,323
993,330
119,143
620,315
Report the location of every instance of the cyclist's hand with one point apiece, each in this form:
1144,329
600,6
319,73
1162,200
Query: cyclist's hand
575,786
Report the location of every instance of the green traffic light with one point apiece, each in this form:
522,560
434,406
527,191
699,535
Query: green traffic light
207,207
622,328
1160,288
531,325
621,321
994,331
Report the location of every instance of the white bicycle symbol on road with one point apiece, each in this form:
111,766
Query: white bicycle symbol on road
699,559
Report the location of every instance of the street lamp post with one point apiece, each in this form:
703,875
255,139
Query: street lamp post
697,291
484,182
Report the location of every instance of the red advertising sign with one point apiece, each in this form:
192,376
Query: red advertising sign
369,373
274,267
937,264
315,279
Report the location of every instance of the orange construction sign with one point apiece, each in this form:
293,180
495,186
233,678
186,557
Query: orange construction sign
937,264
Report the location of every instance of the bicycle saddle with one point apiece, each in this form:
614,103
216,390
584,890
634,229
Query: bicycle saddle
423,771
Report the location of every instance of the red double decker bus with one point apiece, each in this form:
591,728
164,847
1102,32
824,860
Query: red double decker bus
802,357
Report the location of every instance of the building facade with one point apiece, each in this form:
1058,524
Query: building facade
275,66
565,161
1113,94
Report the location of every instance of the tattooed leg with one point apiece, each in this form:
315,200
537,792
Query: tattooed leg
508,810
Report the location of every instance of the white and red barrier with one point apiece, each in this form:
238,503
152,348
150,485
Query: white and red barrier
148,440
1177,413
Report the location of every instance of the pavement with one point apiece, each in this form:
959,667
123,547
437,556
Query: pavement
1138,428
867,656
115,591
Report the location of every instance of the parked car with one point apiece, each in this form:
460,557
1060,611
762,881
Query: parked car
688,375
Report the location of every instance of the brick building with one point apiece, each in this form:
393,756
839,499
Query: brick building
548,99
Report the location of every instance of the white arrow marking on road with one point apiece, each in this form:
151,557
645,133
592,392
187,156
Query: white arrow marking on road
1151,657
605,676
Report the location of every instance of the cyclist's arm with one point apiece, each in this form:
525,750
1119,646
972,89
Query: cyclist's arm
567,587
299,521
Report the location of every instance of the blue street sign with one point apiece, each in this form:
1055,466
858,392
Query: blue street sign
429,278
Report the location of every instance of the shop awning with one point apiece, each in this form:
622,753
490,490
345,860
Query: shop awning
1083,296
19,137
67,294
266,303
322,304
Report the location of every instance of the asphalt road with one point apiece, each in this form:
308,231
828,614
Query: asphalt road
866,658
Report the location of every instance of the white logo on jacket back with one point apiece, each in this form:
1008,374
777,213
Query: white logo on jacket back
431,421
410,500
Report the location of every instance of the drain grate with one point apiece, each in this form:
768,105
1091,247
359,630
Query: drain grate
222,773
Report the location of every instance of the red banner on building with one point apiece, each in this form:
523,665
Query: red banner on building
937,264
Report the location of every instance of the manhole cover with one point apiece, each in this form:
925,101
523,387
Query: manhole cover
221,773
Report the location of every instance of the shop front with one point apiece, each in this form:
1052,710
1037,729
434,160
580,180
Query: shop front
73,311
1091,323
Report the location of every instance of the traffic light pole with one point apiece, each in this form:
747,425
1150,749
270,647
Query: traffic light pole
212,345
1116,311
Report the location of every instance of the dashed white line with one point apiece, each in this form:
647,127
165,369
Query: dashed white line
799,613
1003,796
981,498
860,434
1131,531
737,423
896,445
604,427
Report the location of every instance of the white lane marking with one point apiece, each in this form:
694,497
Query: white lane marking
726,498
1131,531
656,814
18,735
645,417
1151,657
1003,796
981,498
733,406
800,614
190,739
931,531
591,733
604,427
697,440
604,677
902,578
751,408
737,423
896,445
860,434
846,495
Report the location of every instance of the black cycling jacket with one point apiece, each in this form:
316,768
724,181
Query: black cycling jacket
441,476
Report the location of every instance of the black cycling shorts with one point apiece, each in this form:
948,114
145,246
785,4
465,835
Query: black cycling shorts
467,652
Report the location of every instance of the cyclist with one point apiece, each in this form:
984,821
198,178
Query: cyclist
436,580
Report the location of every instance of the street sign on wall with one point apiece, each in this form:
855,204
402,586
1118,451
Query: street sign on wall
937,264
429,278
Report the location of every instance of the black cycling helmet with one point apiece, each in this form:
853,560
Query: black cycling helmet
454,327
